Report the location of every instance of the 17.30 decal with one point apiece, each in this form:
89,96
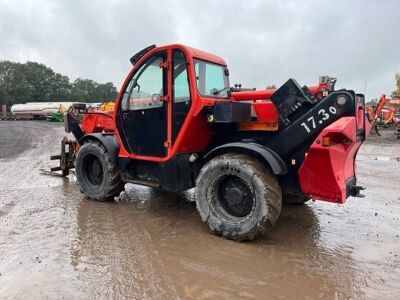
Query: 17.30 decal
322,116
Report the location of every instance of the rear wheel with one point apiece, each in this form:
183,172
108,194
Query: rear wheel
238,197
97,173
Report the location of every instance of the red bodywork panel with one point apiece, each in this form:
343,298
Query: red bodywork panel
317,90
266,111
330,162
94,122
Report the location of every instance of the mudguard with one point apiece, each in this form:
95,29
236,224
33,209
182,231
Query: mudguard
267,155
109,141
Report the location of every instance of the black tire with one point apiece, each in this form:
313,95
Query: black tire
238,197
97,174
294,199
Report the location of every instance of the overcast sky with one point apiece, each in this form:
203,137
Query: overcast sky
263,42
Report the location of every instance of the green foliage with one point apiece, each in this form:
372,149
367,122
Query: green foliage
396,93
34,82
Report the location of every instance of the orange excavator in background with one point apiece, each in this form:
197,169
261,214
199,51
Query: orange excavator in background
386,112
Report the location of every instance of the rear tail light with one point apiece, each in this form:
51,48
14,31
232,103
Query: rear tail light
326,141
335,138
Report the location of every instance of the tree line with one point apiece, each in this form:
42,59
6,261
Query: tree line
35,82
396,92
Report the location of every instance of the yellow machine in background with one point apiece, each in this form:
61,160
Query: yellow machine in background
107,106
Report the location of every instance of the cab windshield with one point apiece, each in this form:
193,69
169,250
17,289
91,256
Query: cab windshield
211,79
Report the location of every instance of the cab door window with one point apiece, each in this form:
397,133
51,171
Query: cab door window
146,87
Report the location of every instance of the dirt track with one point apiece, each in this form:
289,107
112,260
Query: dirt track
56,244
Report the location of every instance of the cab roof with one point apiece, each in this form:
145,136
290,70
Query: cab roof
196,53
189,51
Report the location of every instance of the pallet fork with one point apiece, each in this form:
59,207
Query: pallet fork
66,158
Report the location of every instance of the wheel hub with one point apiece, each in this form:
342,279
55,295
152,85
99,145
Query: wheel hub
235,196
96,168
93,170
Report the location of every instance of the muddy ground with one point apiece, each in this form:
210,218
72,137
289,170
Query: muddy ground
55,244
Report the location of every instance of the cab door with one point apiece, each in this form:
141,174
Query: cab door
144,108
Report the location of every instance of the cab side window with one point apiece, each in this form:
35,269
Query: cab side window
181,92
181,84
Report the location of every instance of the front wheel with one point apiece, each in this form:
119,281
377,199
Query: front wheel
238,197
97,173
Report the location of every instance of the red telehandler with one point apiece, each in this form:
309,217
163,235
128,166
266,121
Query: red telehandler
177,124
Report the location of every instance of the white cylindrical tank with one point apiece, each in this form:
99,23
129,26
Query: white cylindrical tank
38,108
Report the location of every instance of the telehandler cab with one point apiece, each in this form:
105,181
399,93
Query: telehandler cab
177,124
